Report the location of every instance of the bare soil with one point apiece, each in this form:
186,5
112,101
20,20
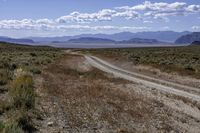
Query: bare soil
75,97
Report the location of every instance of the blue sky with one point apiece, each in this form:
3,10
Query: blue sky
23,18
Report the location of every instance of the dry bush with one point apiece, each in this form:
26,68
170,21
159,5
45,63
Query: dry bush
23,120
22,92
10,128
4,106
5,76
15,62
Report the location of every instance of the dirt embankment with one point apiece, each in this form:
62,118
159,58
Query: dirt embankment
75,97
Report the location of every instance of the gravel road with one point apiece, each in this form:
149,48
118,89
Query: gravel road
153,83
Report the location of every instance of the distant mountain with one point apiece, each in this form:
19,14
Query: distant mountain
88,40
189,38
195,43
140,41
12,40
166,36
91,40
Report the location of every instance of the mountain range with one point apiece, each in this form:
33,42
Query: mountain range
92,40
13,40
164,36
195,43
189,38
157,37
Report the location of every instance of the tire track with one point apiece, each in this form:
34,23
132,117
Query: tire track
142,79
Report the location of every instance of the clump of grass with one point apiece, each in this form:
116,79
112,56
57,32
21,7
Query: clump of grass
4,106
1,126
22,92
10,128
33,54
22,96
5,76
35,71
23,120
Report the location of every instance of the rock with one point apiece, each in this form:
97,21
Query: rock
50,124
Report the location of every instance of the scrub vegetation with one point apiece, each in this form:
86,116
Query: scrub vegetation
19,64
183,60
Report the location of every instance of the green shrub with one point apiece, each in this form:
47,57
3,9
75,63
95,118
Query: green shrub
4,64
22,92
33,54
48,61
4,106
35,71
23,120
1,126
5,76
12,128
13,66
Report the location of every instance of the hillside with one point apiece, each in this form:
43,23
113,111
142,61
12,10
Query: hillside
188,39
195,43
13,40
166,36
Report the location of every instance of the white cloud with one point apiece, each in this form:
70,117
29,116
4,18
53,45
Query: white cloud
196,27
127,14
158,10
161,6
103,15
50,25
27,24
193,8
162,9
148,21
145,11
44,21
97,29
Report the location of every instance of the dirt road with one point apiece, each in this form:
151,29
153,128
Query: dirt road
153,83
75,96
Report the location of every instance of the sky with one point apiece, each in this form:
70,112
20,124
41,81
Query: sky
26,18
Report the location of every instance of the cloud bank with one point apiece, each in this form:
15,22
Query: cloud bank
79,21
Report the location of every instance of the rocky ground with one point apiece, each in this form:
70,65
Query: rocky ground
75,97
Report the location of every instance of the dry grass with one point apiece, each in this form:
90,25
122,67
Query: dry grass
22,92
183,60
5,76
4,106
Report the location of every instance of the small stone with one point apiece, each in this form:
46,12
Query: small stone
50,124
